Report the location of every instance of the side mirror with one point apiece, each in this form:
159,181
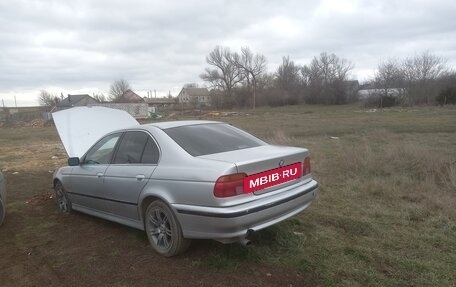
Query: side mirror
73,161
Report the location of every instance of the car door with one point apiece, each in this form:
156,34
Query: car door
86,181
134,162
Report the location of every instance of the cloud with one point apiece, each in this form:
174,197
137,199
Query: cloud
77,45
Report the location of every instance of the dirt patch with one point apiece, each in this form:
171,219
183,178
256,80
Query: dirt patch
41,199
35,123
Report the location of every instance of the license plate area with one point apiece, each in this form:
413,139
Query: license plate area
269,178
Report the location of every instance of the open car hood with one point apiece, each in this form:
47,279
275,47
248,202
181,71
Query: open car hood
79,128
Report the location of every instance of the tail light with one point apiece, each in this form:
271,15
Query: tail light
229,185
306,166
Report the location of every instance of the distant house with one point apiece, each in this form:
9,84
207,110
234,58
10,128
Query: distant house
136,109
199,96
76,101
130,97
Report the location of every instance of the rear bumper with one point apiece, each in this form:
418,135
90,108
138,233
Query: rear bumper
231,224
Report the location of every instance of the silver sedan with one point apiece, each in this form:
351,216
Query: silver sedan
187,180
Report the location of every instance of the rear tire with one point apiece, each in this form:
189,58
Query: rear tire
61,198
163,230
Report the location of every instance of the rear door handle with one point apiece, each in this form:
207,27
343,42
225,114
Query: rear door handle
140,176
100,174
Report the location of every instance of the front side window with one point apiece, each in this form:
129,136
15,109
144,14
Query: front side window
102,151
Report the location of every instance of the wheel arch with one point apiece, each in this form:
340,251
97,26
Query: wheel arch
145,203
147,200
55,181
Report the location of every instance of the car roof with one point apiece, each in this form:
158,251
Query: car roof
174,124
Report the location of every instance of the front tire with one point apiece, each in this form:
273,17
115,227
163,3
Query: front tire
163,230
61,198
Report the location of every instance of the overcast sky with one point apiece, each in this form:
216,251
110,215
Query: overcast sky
69,46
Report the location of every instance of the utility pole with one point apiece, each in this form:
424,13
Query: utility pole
15,102
254,93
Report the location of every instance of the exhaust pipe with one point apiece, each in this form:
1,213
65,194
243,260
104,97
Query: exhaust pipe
245,241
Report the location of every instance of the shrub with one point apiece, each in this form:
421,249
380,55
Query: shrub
446,97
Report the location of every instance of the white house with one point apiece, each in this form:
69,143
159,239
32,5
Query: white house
195,96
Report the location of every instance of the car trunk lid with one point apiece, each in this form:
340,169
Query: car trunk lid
262,159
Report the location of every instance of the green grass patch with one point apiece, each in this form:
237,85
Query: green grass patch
385,211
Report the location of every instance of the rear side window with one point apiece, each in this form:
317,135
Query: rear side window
151,153
206,139
131,148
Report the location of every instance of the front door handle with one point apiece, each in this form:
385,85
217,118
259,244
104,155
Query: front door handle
100,174
140,177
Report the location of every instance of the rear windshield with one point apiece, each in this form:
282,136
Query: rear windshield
206,139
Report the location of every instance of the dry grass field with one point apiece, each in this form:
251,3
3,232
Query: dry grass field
385,214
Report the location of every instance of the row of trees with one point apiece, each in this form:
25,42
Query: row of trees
418,79
241,76
242,79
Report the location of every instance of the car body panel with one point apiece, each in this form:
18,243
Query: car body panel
124,186
233,223
173,124
80,127
109,216
262,158
85,185
120,192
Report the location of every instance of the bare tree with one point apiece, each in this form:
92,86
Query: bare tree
253,66
118,88
325,78
388,76
100,97
47,99
421,73
288,80
225,75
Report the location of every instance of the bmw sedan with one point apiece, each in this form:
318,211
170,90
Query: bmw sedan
185,180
